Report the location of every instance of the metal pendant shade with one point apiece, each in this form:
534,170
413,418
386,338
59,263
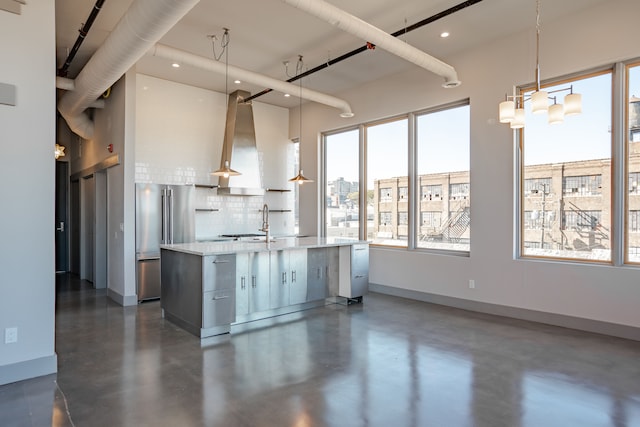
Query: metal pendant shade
226,171
300,178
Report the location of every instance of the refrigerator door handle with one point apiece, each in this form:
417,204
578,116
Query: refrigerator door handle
163,206
170,210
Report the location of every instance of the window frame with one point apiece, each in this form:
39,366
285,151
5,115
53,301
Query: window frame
414,186
519,177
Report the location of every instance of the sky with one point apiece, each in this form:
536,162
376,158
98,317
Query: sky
443,146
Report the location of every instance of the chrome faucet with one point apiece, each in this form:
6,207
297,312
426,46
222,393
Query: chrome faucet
265,222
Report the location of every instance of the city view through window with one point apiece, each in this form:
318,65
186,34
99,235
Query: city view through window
566,189
566,192
443,186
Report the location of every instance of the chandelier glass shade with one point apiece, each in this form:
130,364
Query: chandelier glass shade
541,101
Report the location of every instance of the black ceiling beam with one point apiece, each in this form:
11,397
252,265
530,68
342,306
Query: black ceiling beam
354,52
62,71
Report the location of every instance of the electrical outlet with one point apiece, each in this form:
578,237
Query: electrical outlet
10,335
472,284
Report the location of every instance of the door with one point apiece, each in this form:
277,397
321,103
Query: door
62,217
298,276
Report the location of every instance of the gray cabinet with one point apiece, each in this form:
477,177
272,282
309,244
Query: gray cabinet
198,292
354,270
298,276
288,277
322,273
252,282
258,281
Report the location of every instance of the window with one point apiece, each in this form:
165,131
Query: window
459,191
431,192
566,172
442,146
385,219
403,194
536,185
403,218
633,162
586,185
442,217
385,195
634,221
581,220
387,160
342,190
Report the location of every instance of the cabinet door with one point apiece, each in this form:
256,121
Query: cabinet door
243,281
317,283
259,281
279,288
218,272
298,276
359,270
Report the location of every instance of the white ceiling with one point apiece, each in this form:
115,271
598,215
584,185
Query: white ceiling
265,33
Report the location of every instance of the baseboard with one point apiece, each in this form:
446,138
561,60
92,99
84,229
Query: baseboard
589,325
124,301
28,369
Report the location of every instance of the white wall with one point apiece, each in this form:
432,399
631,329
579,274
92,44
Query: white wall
597,292
179,133
27,138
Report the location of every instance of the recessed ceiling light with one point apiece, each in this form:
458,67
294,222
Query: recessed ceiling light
237,82
286,95
444,34
175,65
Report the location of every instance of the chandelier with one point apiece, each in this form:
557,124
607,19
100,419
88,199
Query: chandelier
511,110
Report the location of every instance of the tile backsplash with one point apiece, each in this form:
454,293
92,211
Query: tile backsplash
216,214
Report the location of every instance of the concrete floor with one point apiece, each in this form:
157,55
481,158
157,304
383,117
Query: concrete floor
387,362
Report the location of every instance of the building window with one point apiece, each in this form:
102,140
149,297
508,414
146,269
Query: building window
385,195
403,194
431,219
536,185
431,192
459,191
585,185
385,219
634,183
561,163
581,220
634,222
403,218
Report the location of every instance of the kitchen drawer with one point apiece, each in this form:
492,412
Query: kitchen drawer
218,308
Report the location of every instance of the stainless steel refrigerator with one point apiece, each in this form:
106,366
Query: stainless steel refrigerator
165,214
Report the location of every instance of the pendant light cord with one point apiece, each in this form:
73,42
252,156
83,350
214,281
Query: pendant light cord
538,45
299,68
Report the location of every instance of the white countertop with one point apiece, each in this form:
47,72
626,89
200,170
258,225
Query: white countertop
228,247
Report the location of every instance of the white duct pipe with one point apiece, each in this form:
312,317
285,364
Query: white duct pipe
208,64
356,26
68,84
144,23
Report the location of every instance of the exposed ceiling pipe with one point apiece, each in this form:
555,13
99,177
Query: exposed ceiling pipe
83,33
209,64
356,26
64,83
144,23
401,32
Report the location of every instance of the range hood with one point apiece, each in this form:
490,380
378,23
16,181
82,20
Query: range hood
239,149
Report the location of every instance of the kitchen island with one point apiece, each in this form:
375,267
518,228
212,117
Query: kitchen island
206,287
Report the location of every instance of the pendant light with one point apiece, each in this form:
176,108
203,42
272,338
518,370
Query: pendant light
225,170
511,109
300,178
